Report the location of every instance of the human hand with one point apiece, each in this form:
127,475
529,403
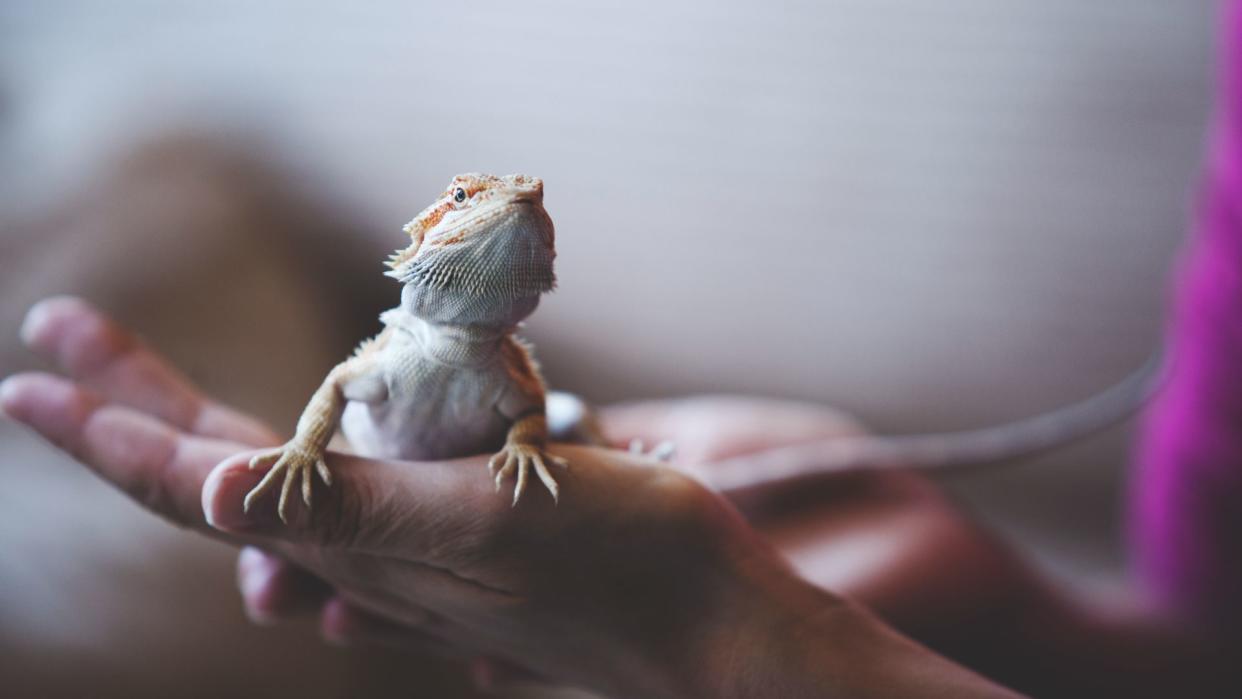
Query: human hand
636,584
640,583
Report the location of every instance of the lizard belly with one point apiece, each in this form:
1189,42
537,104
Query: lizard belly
433,411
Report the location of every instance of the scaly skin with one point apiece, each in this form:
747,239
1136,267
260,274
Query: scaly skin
315,429
479,258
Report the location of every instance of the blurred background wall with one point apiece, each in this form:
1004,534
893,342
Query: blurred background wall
933,215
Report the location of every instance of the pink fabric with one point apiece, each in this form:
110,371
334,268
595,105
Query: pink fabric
1187,491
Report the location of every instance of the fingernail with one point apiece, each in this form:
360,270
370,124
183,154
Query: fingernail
34,325
335,622
15,396
33,322
256,575
250,558
8,393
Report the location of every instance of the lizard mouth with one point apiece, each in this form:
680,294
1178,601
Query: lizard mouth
460,227
501,252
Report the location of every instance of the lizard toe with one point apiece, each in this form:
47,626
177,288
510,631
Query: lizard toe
265,457
541,469
523,470
509,466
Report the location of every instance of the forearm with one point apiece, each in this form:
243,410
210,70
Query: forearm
795,640
857,655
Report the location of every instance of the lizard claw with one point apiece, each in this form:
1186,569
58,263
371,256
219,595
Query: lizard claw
522,458
307,479
523,469
510,463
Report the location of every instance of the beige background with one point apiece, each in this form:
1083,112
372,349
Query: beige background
934,215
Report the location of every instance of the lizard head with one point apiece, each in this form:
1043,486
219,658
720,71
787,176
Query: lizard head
480,254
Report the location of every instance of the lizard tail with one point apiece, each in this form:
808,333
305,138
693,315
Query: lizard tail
951,451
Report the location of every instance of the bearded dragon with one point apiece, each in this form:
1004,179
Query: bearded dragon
446,377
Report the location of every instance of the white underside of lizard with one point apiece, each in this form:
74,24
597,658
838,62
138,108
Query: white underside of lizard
433,393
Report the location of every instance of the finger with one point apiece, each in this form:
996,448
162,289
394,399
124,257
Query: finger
99,353
272,588
388,508
708,429
642,422
162,468
283,507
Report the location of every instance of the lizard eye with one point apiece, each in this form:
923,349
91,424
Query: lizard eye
459,195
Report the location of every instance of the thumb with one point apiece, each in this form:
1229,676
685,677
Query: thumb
373,506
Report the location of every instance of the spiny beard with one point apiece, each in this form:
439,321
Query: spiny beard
498,266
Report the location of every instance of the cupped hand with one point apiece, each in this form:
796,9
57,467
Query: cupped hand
636,584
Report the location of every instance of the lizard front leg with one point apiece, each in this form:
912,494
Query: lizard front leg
524,449
304,452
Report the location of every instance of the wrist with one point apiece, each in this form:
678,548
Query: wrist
788,638
776,636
